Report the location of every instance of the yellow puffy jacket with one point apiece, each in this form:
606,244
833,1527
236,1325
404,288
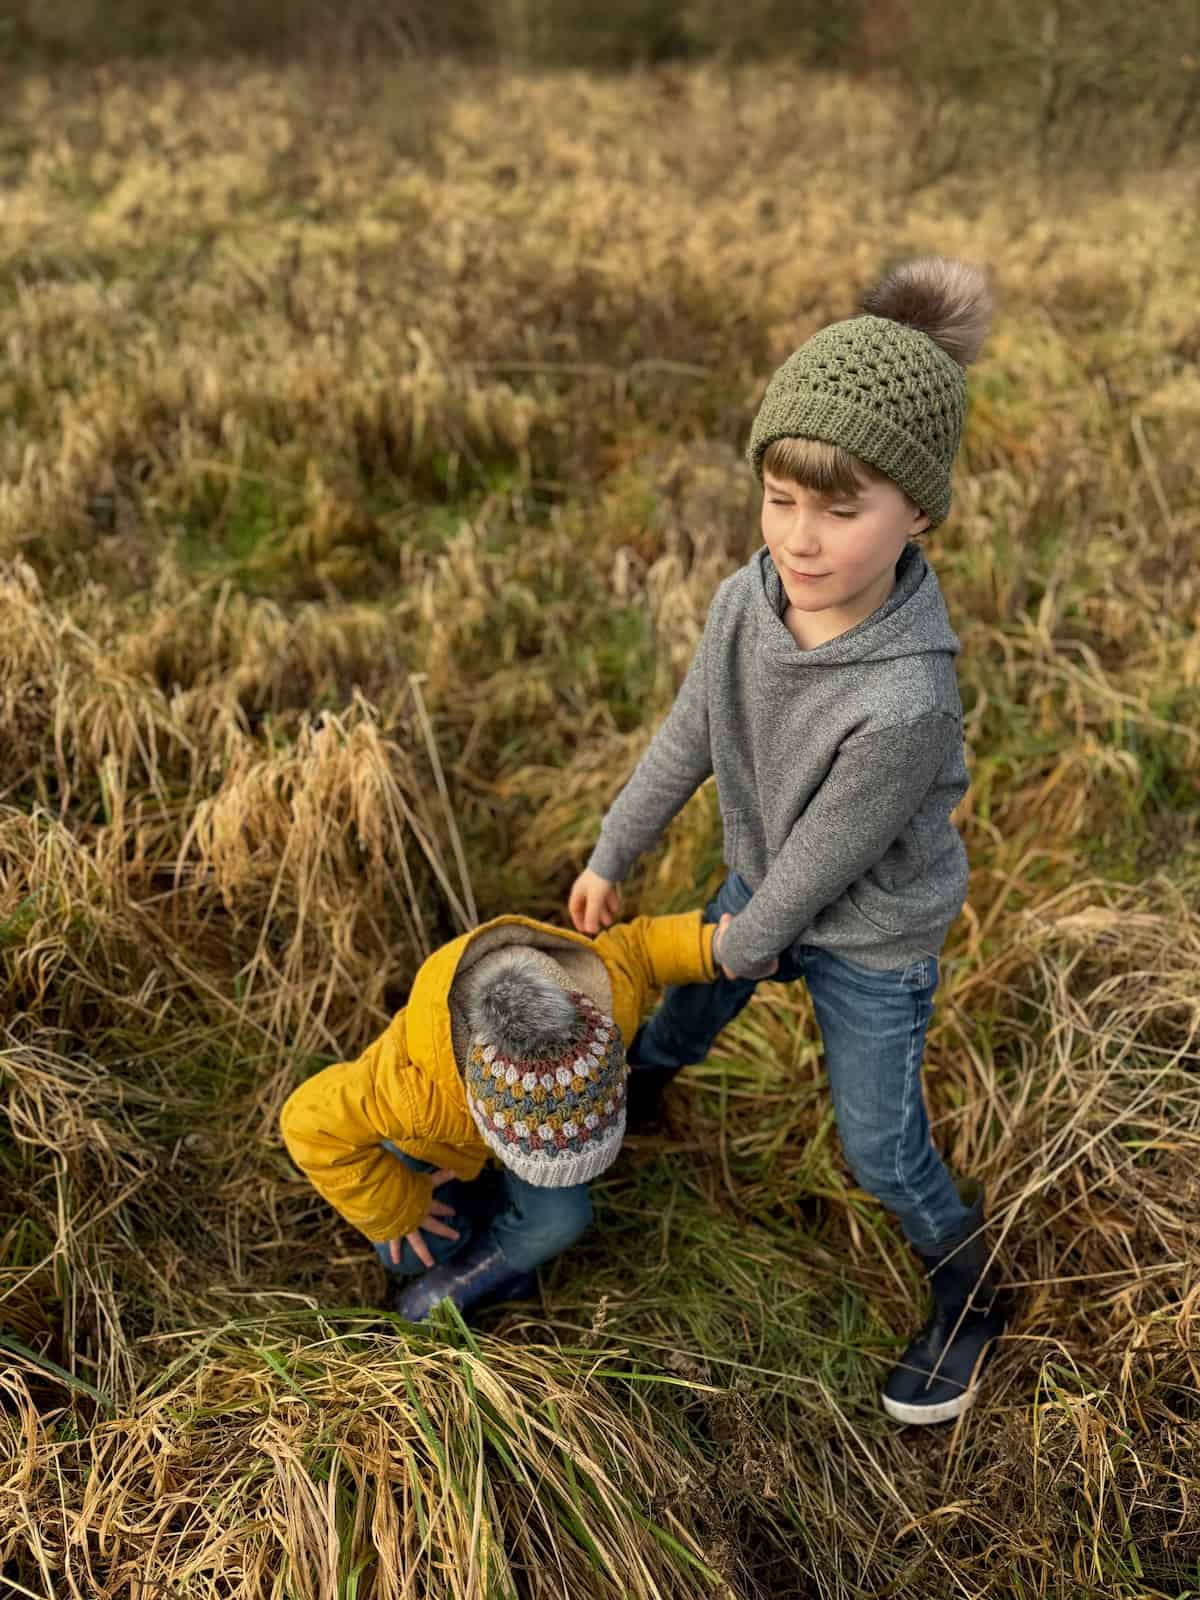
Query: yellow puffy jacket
406,1086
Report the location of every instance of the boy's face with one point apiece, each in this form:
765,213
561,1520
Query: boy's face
836,555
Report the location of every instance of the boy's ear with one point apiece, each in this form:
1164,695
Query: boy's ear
920,520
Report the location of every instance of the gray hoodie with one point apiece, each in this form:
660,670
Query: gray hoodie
837,769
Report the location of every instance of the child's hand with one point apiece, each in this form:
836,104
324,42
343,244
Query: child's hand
431,1222
766,972
594,901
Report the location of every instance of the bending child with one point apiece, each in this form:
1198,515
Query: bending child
823,698
512,1045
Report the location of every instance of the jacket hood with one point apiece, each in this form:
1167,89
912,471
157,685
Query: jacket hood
912,621
438,1031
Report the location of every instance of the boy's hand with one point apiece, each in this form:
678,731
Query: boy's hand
594,902
431,1222
767,971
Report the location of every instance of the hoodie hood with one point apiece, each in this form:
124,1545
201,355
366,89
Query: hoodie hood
438,1025
912,621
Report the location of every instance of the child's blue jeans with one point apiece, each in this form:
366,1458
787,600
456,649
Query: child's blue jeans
873,1027
529,1224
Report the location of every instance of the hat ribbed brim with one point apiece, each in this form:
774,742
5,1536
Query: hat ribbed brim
564,1167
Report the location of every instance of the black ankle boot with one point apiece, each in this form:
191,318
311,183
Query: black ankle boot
935,1379
643,1098
479,1277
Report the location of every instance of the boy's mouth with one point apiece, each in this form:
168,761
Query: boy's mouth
807,577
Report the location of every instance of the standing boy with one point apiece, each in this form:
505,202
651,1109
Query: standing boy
823,698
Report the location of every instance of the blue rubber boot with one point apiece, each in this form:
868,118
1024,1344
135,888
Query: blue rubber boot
480,1276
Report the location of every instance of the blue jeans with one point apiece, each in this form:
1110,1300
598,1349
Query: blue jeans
873,1027
529,1224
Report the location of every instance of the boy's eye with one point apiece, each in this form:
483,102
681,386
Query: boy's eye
781,502
844,511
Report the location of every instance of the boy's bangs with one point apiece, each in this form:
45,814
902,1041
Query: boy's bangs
826,469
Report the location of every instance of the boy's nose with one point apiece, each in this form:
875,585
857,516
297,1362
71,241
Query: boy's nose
803,536
802,545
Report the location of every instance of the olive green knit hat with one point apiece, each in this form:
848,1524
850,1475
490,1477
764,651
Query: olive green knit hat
889,385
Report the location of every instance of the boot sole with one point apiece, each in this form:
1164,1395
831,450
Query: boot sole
944,1411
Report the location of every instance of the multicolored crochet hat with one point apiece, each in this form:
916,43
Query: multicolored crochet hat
545,1074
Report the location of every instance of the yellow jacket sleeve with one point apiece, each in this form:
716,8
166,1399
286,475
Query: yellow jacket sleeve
332,1125
648,952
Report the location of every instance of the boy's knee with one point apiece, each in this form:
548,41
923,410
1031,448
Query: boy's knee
547,1226
563,1225
887,1169
873,1154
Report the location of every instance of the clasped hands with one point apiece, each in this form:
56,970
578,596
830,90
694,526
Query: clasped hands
595,902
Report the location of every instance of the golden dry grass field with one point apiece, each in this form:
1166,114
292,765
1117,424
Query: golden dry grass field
369,451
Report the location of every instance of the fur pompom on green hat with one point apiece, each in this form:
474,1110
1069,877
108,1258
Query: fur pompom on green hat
888,386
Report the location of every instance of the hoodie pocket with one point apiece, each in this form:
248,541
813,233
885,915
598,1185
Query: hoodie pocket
902,863
880,896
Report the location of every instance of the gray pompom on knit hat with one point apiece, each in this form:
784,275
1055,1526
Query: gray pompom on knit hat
889,385
545,1073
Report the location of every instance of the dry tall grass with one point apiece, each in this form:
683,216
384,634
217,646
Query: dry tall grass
368,460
